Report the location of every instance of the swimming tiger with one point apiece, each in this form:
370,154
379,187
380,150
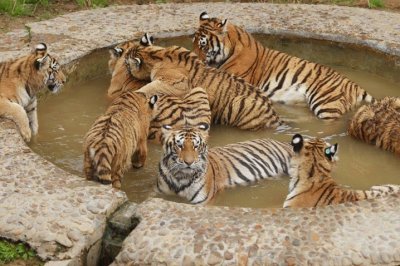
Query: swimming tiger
118,139
193,110
284,78
311,183
232,101
20,81
121,80
190,170
378,124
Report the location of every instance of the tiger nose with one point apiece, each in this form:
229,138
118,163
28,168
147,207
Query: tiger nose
189,161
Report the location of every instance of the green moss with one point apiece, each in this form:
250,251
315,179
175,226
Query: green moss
10,251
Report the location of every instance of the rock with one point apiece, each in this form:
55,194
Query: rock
214,258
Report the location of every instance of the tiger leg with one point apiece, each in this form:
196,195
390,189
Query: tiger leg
116,179
87,165
140,155
16,113
32,116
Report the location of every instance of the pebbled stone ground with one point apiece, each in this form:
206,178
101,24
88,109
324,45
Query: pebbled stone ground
63,216
59,214
363,233
73,35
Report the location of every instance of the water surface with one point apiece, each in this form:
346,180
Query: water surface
64,119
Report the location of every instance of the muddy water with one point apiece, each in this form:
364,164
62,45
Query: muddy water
64,119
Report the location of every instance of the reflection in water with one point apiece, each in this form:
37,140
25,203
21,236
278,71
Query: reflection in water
65,119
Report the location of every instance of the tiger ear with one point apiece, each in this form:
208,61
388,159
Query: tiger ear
41,53
147,40
40,49
166,130
153,100
204,126
222,24
331,151
132,63
204,16
116,52
297,143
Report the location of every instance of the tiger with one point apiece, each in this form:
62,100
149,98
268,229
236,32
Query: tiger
21,80
285,79
232,101
121,80
311,183
192,110
378,124
192,171
118,139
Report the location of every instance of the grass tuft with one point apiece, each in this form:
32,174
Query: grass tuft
92,3
375,3
13,251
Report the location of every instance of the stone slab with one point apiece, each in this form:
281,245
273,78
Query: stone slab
58,214
74,35
362,233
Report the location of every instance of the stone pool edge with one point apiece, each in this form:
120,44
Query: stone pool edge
74,35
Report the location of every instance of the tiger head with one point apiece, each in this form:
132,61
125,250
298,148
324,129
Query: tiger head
185,151
140,58
47,69
121,79
210,42
116,55
312,158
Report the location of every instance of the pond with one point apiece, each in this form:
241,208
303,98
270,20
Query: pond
64,120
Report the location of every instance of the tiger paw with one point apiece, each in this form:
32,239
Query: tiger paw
26,134
116,184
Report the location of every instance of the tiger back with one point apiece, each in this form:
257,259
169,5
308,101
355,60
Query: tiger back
20,81
284,78
118,139
233,101
311,183
378,124
121,80
193,110
190,170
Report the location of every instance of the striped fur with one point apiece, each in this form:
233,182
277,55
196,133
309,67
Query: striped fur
118,139
193,110
378,124
191,170
20,81
311,183
121,80
232,101
284,78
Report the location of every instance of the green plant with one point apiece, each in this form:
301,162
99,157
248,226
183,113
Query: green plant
92,3
375,3
21,7
11,251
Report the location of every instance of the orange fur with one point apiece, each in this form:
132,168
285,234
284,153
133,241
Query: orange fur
378,124
20,80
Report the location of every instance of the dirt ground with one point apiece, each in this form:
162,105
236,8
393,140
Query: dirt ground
59,7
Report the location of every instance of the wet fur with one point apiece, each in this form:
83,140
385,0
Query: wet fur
378,124
312,185
191,170
233,101
118,139
20,81
284,78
